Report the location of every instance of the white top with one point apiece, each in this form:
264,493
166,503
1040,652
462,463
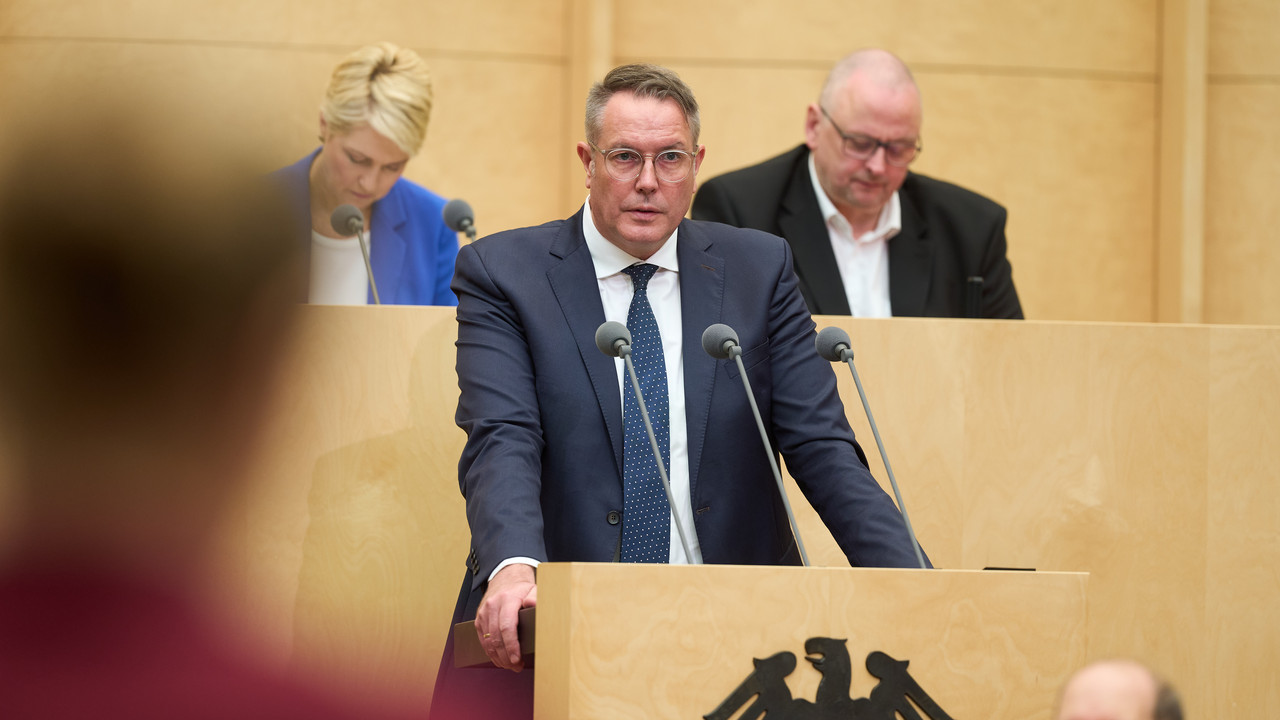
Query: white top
863,261
338,274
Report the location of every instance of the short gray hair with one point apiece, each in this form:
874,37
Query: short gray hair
646,81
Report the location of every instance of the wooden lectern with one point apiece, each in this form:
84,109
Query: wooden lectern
678,641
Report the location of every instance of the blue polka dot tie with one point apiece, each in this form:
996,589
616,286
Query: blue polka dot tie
646,517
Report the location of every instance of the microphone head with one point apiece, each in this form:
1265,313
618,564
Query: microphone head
833,344
611,337
347,220
719,341
458,216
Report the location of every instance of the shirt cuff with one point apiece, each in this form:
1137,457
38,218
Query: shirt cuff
513,561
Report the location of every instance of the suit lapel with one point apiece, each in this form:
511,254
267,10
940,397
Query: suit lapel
800,219
910,260
573,280
701,301
389,244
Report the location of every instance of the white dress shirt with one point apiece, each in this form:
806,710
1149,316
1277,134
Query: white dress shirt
863,261
664,298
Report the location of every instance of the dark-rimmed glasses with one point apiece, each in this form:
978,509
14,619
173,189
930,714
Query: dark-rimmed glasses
898,153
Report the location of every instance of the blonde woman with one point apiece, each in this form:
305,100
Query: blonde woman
372,121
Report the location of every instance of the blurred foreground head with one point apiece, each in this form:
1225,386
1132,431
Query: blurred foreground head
146,288
1118,689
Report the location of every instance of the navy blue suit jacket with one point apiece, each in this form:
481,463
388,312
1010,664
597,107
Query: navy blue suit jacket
948,235
542,467
412,250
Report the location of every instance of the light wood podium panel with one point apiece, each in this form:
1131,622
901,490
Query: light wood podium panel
347,554
1141,454
643,641
1243,545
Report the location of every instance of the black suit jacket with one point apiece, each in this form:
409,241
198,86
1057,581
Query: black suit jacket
948,235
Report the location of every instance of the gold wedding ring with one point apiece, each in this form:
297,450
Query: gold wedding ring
486,635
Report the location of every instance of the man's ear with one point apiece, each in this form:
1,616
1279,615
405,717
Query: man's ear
812,118
588,161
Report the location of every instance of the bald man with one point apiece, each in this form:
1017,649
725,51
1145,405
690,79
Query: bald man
1118,690
871,238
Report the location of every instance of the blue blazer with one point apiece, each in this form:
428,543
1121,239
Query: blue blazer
413,251
542,466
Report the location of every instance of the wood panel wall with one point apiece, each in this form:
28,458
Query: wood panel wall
1131,141
1108,448
1030,103
1242,164
261,68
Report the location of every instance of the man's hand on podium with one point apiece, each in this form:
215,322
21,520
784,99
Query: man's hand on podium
512,589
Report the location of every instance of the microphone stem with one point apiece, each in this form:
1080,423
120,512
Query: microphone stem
368,266
657,455
773,462
915,544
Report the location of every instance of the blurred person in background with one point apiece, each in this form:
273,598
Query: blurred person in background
148,290
372,121
870,237
1118,690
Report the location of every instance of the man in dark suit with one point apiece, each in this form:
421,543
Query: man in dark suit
549,469
870,238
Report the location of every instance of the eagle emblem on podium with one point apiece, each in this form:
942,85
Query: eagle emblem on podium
765,690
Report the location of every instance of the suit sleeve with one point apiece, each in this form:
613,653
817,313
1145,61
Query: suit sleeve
999,296
815,438
500,470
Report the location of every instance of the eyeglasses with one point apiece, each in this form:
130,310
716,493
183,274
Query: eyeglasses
625,164
899,153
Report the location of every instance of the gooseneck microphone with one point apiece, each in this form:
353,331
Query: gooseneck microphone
614,340
347,220
459,218
833,345
721,342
